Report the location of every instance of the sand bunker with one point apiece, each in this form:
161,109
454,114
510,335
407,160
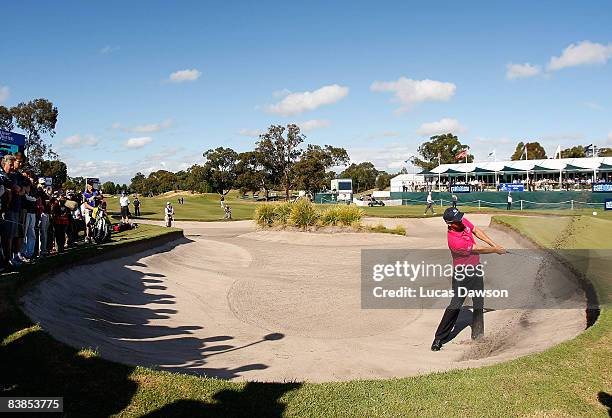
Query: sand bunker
234,302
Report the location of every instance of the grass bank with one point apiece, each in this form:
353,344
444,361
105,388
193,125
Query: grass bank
571,379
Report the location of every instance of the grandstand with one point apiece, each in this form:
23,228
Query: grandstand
544,174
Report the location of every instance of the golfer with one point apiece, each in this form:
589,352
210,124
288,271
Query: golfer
454,199
168,214
509,201
124,202
465,252
429,204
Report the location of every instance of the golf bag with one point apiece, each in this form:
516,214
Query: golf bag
101,230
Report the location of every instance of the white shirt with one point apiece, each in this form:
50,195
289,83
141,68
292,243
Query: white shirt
124,201
509,199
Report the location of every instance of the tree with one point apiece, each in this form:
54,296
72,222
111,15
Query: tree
383,180
253,172
535,151
6,119
55,169
363,175
573,152
74,183
138,183
281,152
220,169
447,146
604,152
36,118
196,180
310,171
109,188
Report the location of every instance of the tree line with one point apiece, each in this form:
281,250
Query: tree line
279,161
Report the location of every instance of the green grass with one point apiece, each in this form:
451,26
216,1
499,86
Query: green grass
571,379
206,207
199,207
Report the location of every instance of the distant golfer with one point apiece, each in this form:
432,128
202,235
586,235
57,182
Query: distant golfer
136,204
509,201
168,214
429,204
465,252
454,199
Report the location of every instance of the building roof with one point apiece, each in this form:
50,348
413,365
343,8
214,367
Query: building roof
524,165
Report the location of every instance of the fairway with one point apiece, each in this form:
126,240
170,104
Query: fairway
207,207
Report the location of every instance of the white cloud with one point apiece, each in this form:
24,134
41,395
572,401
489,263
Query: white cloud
116,125
409,92
77,141
249,132
138,142
443,126
299,102
309,125
185,75
153,127
5,92
609,137
386,157
594,106
281,93
108,49
525,70
582,53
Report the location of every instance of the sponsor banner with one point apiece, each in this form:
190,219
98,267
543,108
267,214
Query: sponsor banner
460,188
519,279
11,142
602,188
608,204
512,187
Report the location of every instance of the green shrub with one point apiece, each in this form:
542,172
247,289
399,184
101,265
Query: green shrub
282,212
264,214
303,214
350,215
330,216
399,230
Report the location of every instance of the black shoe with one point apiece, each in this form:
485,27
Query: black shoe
436,345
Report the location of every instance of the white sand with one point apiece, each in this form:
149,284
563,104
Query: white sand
218,304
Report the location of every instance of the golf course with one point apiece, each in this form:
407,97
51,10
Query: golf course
214,321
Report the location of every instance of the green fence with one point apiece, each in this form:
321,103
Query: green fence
521,200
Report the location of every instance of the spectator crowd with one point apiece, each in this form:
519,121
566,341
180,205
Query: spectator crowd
37,220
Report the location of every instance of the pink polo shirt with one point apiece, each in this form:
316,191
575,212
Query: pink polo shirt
461,243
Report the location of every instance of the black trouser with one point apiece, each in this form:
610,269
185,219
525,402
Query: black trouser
60,237
136,210
473,282
454,203
509,206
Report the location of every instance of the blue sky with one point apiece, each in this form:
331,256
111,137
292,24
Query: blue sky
374,77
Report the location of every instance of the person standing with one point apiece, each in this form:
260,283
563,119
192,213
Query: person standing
90,201
29,243
6,226
454,199
465,252
44,214
509,201
61,220
136,204
168,214
429,204
124,202
222,202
